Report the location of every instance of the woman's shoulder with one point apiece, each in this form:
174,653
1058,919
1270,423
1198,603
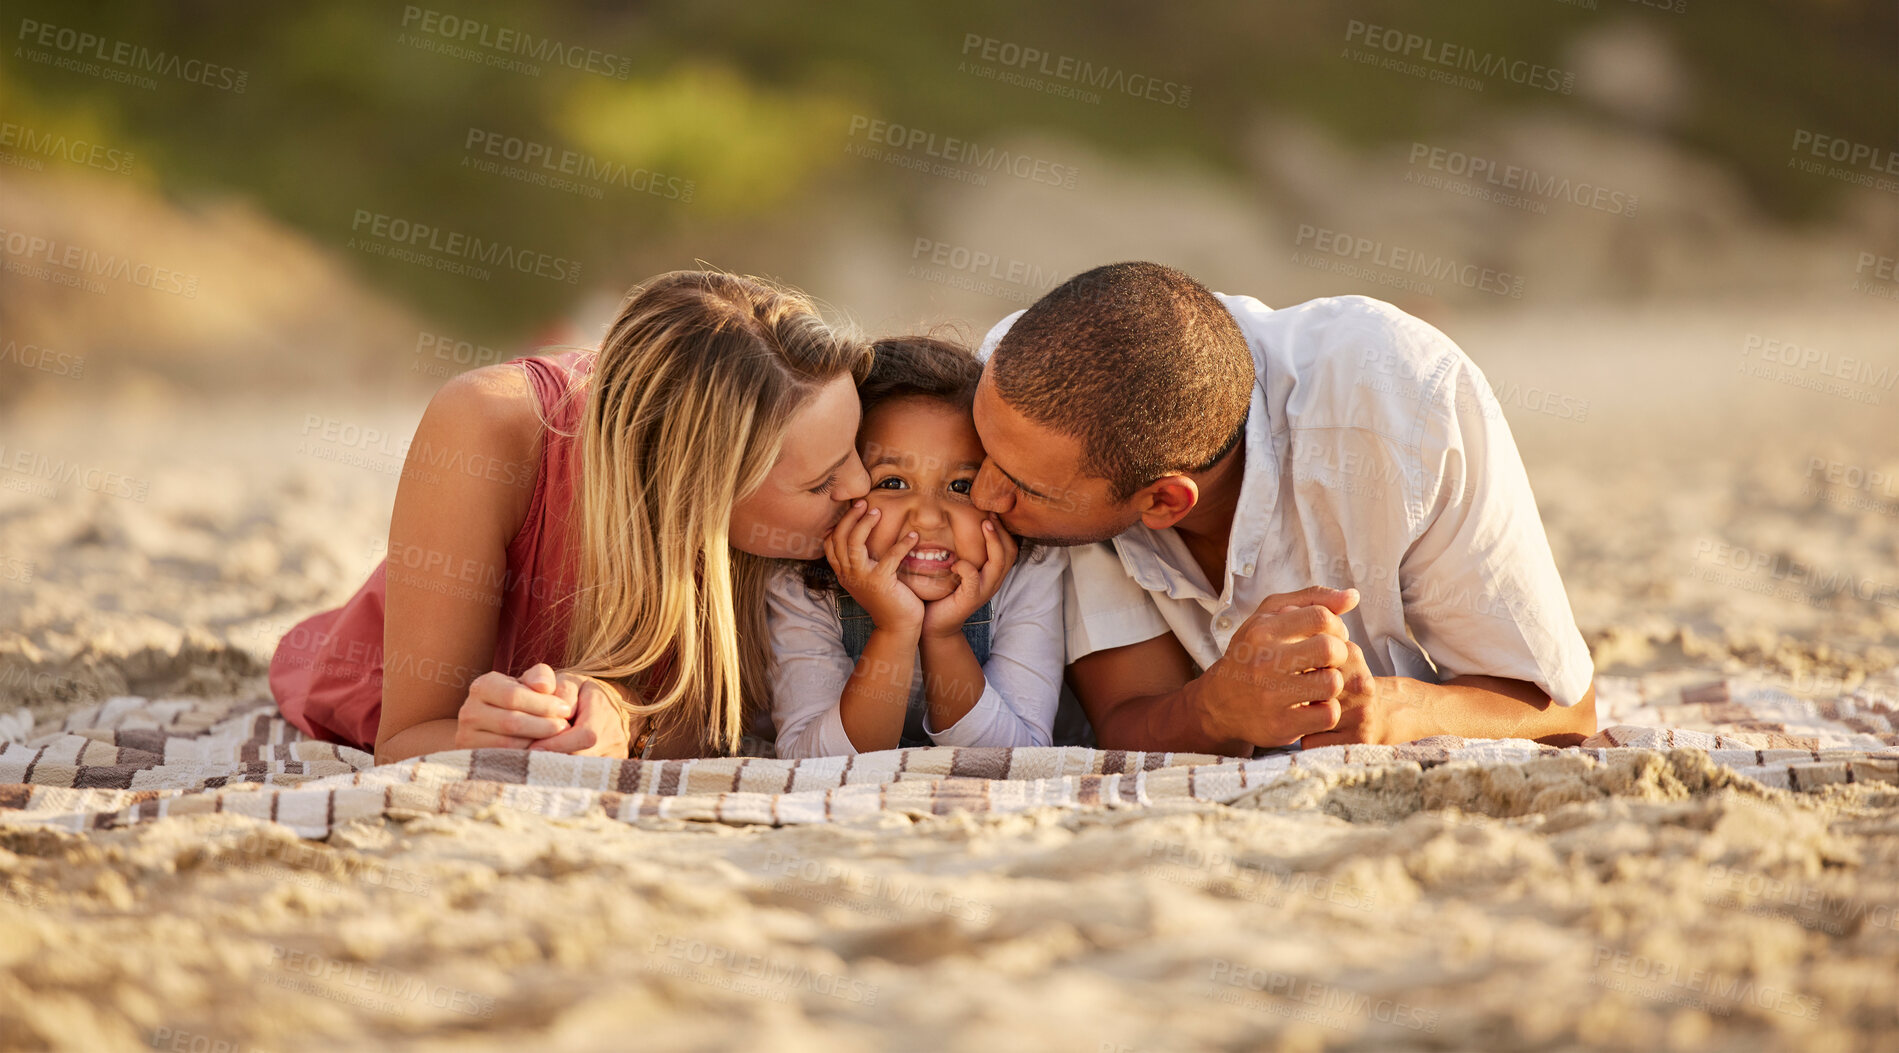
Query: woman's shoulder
492,410
471,471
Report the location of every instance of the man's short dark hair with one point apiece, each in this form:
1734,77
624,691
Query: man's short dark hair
1139,363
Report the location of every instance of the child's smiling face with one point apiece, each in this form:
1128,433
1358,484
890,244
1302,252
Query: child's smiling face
923,456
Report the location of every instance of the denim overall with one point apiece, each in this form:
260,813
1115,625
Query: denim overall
857,624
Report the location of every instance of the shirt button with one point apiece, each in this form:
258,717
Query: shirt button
1224,622
1248,569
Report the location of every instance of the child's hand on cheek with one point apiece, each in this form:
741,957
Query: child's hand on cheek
873,583
974,587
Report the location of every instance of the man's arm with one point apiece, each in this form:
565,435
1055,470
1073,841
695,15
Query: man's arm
1139,697
1490,707
1400,709
1279,679
1482,594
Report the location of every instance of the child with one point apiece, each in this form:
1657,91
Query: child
918,628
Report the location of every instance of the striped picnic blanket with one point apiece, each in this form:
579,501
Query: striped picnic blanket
130,760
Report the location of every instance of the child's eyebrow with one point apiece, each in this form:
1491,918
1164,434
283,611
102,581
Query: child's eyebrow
891,458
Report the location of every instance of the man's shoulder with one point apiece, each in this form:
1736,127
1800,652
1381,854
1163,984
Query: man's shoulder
1096,574
1358,362
1335,331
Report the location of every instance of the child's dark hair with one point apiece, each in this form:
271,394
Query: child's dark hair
913,366
920,365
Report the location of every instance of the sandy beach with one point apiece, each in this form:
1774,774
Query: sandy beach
1587,909
1557,903
1703,391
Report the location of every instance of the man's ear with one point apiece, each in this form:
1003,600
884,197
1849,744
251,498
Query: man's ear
1166,501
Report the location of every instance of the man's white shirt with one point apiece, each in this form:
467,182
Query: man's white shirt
1376,458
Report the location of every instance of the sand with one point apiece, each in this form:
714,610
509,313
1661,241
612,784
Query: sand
1660,904
1664,905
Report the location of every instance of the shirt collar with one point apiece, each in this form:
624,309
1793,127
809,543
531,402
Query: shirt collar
1159,562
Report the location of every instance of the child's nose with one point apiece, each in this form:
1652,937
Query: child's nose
927,512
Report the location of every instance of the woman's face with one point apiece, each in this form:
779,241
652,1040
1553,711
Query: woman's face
817,476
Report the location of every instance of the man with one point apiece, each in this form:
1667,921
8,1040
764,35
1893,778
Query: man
1321,530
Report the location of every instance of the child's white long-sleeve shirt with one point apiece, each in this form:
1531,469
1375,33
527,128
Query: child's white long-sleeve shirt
1022,679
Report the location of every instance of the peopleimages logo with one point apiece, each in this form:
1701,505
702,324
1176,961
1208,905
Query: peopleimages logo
1861,164
1399,260
384,989
1843,367
788,976
413,239
1719,993
57,471
78,151
1486,177
961,267
1327,1003
1067,69
501,40
867,888
1877,159
79,262
1455,57
130,58
1762,572
43,360
1884,281
545,164
919,141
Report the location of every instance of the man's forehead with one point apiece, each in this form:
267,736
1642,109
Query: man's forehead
995,418
1032,454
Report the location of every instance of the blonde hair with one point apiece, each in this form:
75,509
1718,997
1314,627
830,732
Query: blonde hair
687,407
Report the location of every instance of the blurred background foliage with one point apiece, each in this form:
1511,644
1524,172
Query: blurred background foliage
752,102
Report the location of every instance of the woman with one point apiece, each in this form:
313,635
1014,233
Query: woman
612,513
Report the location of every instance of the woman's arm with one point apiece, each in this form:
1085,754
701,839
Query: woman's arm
447,568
